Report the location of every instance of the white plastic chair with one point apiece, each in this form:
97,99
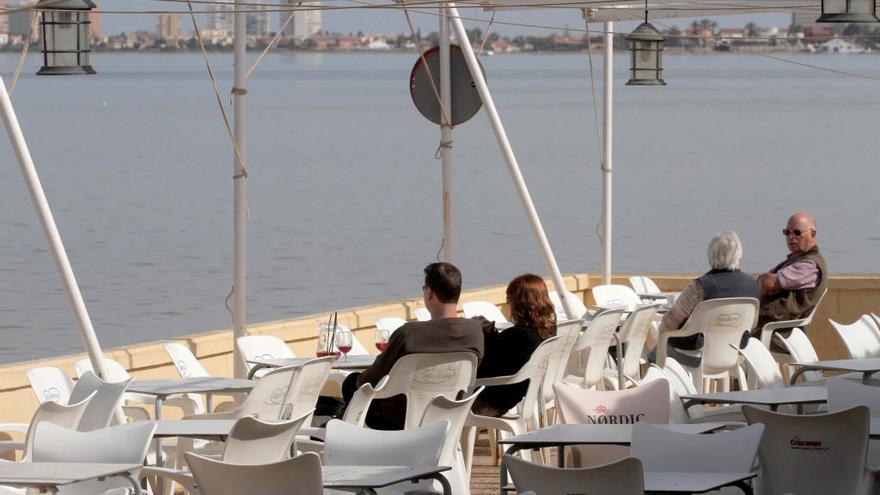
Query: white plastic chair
525,418
844,394
591,350
649,402
569,333
770,328
185,361
117,373
300,475
349,445
105,399
616,296
355,411
306,386
576,303
455,412
422,376
262,347
631,342
643,285
763,370
798,453
861,338
67,416
623,477
722,323
681,383
126,444
422,314
665,451
677,413
50,383
486,310
801,350
390,323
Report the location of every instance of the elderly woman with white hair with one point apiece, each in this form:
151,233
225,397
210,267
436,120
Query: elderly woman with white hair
724,279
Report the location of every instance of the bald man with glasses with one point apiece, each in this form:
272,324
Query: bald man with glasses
793,288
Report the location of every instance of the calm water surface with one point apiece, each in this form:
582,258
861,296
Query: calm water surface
344,190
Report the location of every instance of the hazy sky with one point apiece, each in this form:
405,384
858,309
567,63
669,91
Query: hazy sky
345,21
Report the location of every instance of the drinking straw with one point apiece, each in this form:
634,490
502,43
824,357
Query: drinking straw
329,342
333,335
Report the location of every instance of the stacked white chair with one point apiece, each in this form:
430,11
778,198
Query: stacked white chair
455,412
623,477
252,347
568,333
616,296
580,309
801,350
770,328
66,416
799,453
488,311
631,342
762,369
722,323
50,383
300,475
590,351
861,338
680,384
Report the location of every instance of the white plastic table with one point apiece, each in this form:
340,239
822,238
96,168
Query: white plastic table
866,367
772,397
366,479
206,429
48,476
358,362
668,482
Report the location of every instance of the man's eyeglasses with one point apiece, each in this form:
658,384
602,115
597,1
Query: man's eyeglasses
795,232
424,287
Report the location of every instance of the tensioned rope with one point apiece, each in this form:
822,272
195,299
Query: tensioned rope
599,144
272,42
24,51
486,34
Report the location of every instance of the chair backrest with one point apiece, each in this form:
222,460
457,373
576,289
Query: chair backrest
422,376
125,443
763,369
106,399
770,328
455,412
307,384
269,399
643,285
798,452
649,402
844,394
616,296
861,338
593,343
575,302
50,383
679,378
115,371
623,477
677,412
633,334
262,347
66,416
663,450
722,323
349,445
184,361
422,314
300,475
484,309
568,332
355,410
801,350
252,441
391,323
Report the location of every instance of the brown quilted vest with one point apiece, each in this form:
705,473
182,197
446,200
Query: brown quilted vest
793,305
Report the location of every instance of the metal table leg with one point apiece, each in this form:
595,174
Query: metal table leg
159,460
209,402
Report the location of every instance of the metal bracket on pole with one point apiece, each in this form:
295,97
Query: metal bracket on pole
509,157
50,230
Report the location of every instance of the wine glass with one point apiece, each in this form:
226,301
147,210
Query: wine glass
382,336
344,341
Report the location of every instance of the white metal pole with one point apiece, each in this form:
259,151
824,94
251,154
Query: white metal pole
240,193
607,148
446,135
50,230
509,158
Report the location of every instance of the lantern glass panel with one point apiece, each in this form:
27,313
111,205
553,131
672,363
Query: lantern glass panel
61,39
834,6
861,7
646,54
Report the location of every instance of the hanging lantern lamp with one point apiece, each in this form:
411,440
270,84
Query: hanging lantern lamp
848,11
646,63
65,30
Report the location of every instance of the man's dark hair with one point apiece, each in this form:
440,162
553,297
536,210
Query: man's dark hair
445,280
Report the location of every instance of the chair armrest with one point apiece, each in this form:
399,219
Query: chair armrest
136,413
188,405
312,431
232,414
496,380
7,445
305,445
183,478
16,427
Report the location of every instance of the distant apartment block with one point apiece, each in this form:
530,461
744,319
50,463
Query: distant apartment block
220,18
258,22
19,23
95,23
305,24
168,26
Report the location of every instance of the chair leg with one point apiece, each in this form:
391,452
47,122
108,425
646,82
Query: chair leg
467,441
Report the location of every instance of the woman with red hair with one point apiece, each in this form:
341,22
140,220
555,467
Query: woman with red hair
506,352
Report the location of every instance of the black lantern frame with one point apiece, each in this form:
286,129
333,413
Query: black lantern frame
848,11
65,30
646,60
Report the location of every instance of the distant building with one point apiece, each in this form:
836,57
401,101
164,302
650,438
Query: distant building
168,26
804,19
220,18
305,24
258,22
732,33
95,23
19,23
